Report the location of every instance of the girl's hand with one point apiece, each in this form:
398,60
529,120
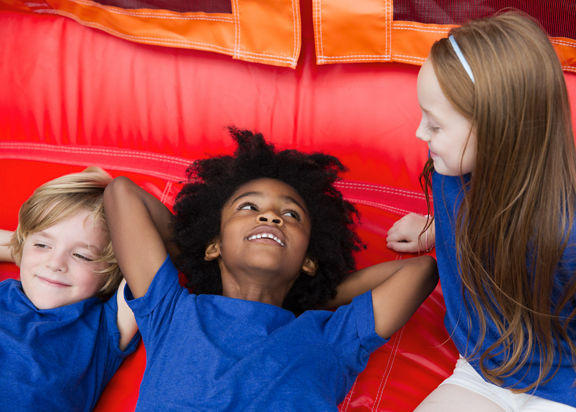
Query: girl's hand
404,235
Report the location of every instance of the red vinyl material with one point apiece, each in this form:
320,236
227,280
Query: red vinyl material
71,96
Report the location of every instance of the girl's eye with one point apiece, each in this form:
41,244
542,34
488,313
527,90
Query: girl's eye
433,129
248,206
40,245
83,257
293,214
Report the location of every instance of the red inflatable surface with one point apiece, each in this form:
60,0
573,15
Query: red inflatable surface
71,96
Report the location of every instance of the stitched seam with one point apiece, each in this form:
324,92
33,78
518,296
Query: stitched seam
96,150
166,191
236,14
320,29
389,366
118,10
563,42
157,40
38,152
167,41
295,28
424,29
376,188
346,404
388,45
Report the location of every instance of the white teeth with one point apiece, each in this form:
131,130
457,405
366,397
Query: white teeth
266,236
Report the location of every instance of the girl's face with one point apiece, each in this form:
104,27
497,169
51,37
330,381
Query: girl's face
58,264
264,233
448,133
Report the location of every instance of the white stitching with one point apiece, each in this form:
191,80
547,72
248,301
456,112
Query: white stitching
171,42
376,188
388,369
147,14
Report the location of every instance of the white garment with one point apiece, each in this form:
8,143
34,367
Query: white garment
466,376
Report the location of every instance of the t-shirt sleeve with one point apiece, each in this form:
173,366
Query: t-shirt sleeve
111,314
351,331
157,306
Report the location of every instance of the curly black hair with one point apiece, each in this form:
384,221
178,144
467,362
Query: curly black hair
212,182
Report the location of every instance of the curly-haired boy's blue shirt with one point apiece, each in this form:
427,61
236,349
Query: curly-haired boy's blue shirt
213,353
56,360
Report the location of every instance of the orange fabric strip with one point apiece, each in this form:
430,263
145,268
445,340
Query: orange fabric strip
364,31
256,31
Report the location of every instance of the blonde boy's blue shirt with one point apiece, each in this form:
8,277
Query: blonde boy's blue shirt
213,353
448,193
57,359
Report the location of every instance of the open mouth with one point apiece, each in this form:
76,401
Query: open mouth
267,236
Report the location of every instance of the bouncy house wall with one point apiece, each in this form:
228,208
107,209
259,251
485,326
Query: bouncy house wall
144,87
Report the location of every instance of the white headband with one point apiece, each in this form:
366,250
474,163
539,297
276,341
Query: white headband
461,57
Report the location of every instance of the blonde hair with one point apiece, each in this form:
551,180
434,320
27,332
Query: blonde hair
518,207
61,198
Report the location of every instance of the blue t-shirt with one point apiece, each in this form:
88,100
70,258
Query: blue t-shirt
214,353
448,193
56,359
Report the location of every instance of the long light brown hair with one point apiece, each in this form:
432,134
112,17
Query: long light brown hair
518,207
61,198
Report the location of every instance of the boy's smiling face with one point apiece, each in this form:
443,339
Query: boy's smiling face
264,235
58,264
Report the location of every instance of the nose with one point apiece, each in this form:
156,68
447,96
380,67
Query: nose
56,263
421,133
270,217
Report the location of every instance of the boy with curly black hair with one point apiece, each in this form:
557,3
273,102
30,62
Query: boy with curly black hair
263,237
214,180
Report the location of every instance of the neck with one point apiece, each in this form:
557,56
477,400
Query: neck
257,290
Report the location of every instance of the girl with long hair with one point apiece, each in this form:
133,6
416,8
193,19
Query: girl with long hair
502,171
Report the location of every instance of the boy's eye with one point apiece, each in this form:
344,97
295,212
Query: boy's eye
293,214
83,257
248,206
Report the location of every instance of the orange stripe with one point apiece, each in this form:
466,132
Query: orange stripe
269,32
363,31
263,32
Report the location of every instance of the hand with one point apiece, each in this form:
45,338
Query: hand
404,235
5,251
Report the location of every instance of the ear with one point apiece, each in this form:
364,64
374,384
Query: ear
212,251
310,266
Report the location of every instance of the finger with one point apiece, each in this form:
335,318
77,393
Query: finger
397,237
403,247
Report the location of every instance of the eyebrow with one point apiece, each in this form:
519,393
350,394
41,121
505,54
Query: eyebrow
260,194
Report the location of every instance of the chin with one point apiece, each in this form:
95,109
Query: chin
45,304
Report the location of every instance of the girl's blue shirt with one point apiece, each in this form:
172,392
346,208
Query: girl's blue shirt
447,194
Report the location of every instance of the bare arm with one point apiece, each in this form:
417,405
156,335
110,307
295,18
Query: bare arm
5,253
397,298
140,228
125,319
398,288
404,235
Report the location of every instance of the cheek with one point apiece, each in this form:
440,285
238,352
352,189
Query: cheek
303,241
29,259
88,277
